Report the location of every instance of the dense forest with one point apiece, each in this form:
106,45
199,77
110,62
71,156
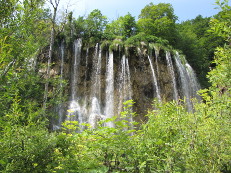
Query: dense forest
172,139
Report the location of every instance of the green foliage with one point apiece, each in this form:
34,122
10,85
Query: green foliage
25,144
116,44
79,27
105,44
90,28
220,76
124,26
198,45
220,25
95,24
25,148
19,46
68,29
6,11
176,141
103,149
142,40
142,37
158,20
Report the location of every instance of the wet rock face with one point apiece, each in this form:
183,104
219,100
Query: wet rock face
142,82
133,78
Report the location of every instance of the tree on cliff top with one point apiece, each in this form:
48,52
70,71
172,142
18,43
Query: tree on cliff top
95,24
158,20
124,26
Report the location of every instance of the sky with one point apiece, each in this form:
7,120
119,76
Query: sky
184,9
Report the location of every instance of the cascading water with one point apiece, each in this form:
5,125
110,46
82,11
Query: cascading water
62,47
129,84
97,91
59,109
97,81
74,108
185,82
157,52
171,71
155,80
77,54
121,83
129,87
85,102
193,82
74,113
109,101
96,114
125,90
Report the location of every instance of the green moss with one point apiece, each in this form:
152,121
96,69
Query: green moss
183,59
116,44
105,44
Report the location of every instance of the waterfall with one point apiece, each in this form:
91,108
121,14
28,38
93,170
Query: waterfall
77,54
74,107
59,109
125,89
96,88
155,80
129,87
193,81
157,52
62,47
95,114
62,62
171,71
185,82
109,103
121,82
74,113
86,71
97,83
86,97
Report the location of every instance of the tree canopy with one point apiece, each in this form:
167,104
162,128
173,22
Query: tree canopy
158,20
124,26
